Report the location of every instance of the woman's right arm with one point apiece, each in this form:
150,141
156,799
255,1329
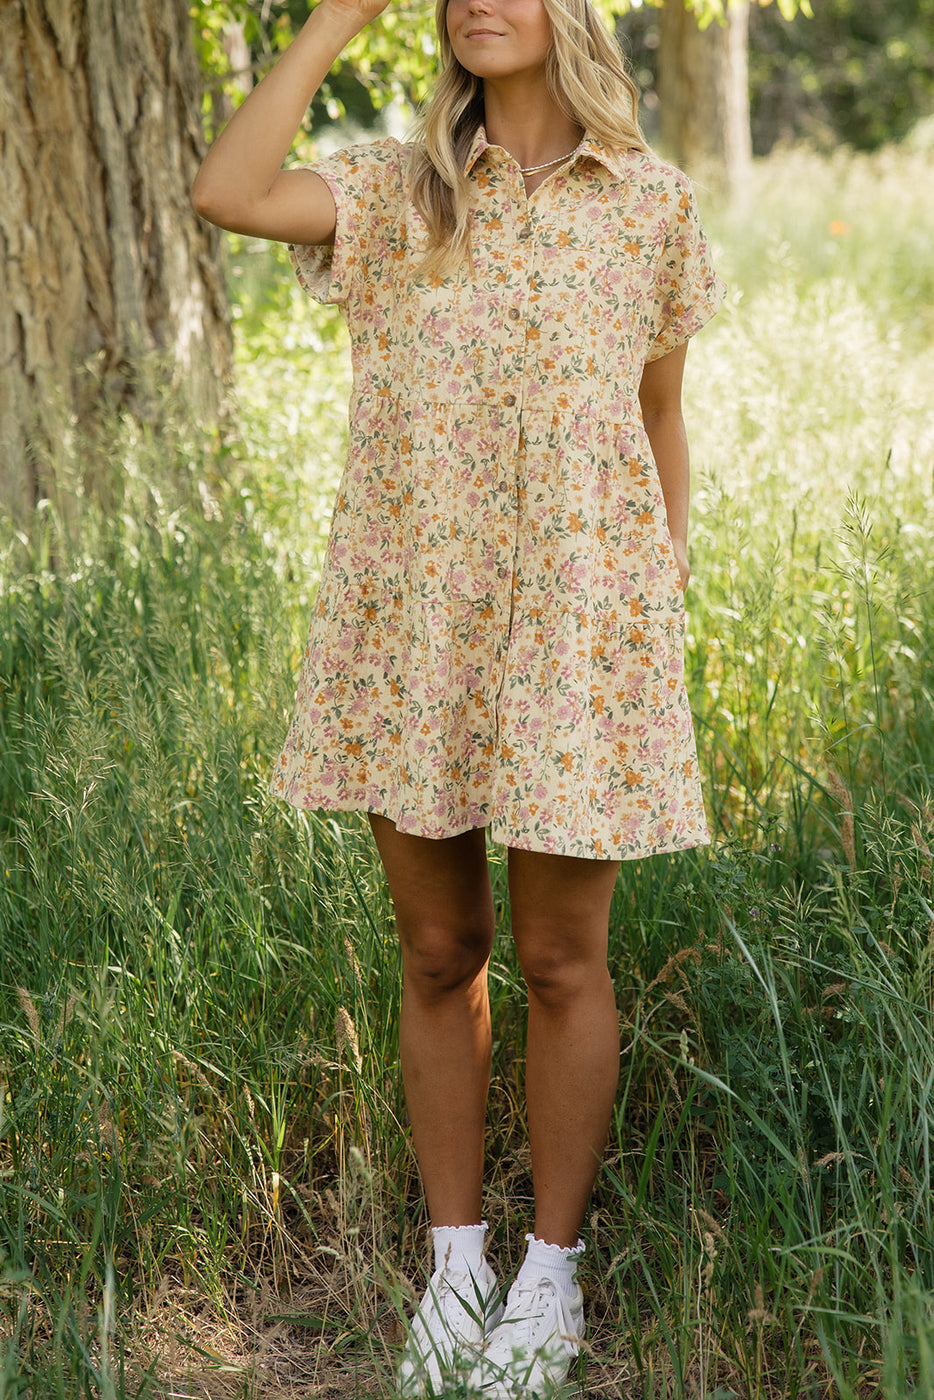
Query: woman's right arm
241,184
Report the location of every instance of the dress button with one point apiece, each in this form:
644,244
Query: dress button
525,233
502,571
514,313
509,400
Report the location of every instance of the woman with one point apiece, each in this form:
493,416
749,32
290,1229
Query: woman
497,639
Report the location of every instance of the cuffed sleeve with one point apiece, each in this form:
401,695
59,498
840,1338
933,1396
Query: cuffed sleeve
365,182
688,291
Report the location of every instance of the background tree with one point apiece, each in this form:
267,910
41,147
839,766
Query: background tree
860,73
103,266
703,89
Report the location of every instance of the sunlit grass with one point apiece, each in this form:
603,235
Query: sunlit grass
205,1176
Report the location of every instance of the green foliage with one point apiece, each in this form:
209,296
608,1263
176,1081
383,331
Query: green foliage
809,648
202,1129
861,73
350,92
856,73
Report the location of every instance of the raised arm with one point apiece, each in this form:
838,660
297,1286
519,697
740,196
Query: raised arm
241,184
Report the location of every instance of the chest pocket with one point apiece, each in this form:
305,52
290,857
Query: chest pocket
594,296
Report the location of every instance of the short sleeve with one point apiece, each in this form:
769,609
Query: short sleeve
688,291
366,183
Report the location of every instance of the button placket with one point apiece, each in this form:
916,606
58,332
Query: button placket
520,281
516,293
512,370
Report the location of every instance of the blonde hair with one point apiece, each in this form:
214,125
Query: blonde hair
586,75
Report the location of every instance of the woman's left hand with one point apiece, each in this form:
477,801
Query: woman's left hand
681,559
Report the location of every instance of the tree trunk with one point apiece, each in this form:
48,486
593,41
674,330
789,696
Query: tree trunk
703,89
240,61
105,270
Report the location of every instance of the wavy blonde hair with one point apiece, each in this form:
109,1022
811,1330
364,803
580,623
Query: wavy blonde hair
586,75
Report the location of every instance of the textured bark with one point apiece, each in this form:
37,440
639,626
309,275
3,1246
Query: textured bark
104,267
703,89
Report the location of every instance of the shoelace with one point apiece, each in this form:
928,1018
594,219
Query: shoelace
456,1294
528,1312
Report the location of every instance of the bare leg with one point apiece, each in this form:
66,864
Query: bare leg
444,915
560,918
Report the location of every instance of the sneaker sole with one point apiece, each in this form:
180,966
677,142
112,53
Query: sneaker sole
567,1390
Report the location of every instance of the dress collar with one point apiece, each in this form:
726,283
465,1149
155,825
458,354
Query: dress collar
590,147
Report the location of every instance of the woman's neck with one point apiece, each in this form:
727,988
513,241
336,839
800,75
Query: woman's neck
528,124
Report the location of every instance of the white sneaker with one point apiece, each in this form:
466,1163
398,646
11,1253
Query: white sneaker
448,1330
530,1353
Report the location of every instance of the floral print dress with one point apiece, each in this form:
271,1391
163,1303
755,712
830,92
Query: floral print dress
498,633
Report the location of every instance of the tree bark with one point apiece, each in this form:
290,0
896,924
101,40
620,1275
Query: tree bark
105,271
703,89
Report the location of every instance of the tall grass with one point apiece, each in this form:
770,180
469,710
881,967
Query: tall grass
206,1179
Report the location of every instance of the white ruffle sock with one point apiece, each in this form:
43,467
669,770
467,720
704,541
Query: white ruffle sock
459,1248
552,1261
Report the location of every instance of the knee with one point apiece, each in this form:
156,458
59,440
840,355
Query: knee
557,976
551,977
438,961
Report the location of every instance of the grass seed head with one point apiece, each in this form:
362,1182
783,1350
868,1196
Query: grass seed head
346,1035
30,1012
845,798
